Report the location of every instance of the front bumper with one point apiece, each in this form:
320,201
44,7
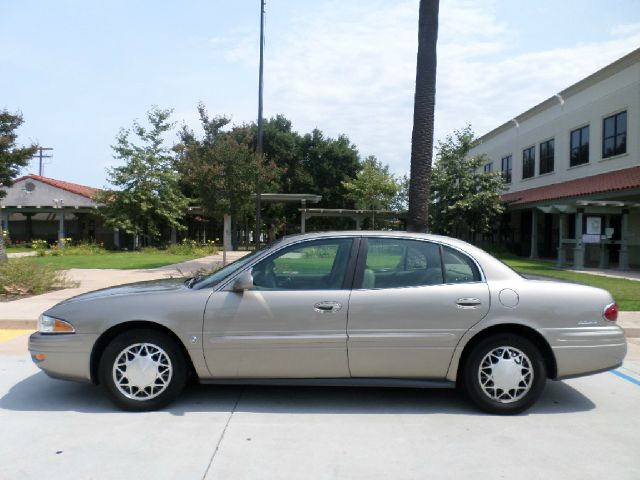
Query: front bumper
583,351
66,356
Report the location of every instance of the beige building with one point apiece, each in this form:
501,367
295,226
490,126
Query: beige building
572,164
43,208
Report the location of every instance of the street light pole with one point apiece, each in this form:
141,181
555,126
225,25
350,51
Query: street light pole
260,126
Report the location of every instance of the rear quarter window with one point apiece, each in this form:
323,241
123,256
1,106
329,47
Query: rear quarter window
458,267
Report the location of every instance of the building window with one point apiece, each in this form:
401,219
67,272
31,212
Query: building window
528,162
488,167
579,146
547,151
614,137
506,168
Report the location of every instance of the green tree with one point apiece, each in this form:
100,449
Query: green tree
222,169
423,116
147,194
401,200
373,186
464,199
329,162
311,163
12,157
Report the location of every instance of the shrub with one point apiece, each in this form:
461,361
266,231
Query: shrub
40,246
23,277
191,247
84,248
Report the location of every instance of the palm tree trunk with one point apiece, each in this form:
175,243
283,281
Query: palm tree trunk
423,115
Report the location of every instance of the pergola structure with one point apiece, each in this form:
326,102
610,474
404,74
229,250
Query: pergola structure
358,216
303,198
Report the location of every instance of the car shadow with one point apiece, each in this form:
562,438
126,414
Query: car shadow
40,393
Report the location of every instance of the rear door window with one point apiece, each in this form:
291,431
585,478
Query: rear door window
397,263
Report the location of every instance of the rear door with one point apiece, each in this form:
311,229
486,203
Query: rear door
414,300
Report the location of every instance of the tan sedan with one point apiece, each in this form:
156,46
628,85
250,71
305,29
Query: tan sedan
339,308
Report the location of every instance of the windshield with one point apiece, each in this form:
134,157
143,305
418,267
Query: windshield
219,275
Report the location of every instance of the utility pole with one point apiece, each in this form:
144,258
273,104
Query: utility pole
260,126
41,157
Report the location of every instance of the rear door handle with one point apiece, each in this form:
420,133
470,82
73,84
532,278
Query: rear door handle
327,307
468,303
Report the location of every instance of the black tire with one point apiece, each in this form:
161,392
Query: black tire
492,399
171,370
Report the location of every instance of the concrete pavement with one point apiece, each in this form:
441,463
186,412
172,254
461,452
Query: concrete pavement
21,254
585,428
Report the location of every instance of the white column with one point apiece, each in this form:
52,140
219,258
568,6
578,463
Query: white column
303,217
226,236
604,248
534,234
174,236
623,263
61,228
562,254
578,250
5,222
116,238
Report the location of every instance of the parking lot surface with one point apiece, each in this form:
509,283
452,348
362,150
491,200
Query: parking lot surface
586,428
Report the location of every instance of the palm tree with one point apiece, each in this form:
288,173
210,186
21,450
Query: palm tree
423,113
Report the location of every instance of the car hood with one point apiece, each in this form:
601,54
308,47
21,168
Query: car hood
138,288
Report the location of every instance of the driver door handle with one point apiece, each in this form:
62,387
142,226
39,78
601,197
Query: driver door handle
327,307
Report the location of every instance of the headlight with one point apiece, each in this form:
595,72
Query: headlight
48,324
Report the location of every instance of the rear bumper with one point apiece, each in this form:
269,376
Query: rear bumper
65,356
586,351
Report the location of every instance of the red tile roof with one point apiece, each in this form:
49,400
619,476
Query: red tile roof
605,182
81,190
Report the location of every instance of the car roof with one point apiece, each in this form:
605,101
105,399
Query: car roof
374,233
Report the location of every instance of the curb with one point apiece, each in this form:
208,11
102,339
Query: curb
18,324
632,332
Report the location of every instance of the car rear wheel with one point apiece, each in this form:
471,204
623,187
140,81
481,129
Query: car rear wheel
143,370
504,374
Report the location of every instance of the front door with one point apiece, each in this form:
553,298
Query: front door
414,302
292,323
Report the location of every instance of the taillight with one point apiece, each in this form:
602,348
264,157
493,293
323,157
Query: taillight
611,312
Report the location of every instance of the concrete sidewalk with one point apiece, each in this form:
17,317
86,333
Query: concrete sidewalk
24,313
21,254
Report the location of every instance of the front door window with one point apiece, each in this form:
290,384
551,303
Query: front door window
315,265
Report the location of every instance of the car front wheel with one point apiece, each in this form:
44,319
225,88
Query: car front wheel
504,374
143,370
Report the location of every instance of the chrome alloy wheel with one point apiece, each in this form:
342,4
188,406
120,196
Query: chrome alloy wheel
142,371
505,374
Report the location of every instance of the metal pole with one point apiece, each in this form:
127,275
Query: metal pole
260,126
41,157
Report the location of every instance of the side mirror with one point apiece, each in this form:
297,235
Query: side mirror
243,282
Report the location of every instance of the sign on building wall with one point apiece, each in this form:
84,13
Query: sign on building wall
594,225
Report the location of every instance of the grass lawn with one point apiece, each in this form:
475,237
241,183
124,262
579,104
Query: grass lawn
625,292
118,260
